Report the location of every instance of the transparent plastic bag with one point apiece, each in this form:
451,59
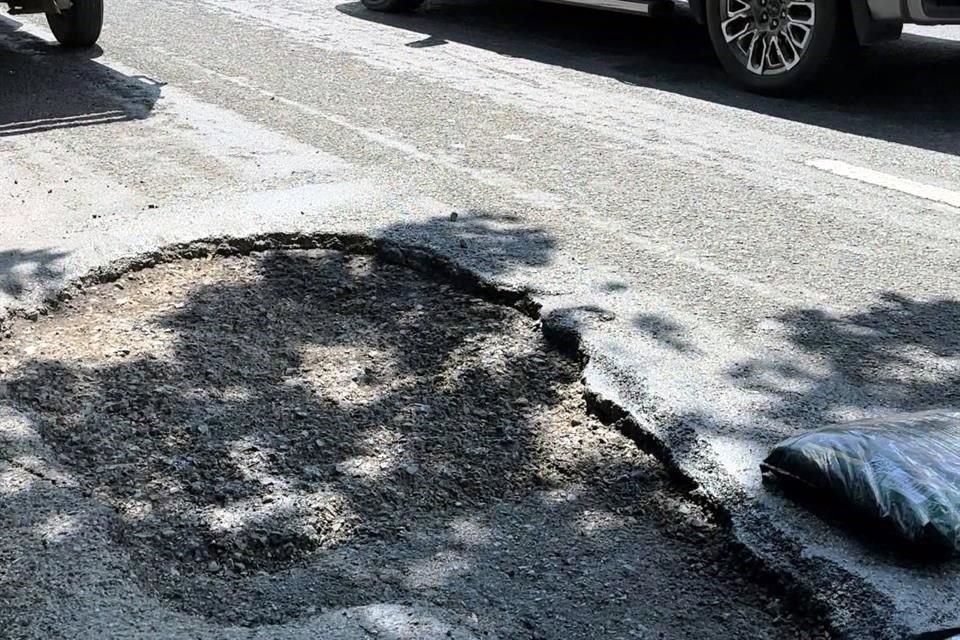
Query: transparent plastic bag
903,470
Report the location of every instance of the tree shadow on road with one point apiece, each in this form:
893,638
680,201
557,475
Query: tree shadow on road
493,243
294,431
46,87
899,354
899,92
19,268
665,330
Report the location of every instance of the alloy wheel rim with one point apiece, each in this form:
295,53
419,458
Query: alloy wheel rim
768,37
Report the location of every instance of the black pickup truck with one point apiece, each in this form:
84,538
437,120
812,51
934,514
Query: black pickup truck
75,23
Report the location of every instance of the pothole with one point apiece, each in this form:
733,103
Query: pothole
292,431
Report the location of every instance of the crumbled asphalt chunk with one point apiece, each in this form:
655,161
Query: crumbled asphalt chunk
289,432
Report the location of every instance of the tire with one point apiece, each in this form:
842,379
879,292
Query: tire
821,28
79,26
392,6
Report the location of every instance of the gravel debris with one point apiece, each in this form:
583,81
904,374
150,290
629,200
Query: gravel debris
290,432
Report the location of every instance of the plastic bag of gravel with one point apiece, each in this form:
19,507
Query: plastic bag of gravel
903,470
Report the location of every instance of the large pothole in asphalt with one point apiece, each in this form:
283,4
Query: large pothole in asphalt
298,430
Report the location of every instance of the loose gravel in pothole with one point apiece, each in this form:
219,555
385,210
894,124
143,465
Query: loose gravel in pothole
287,433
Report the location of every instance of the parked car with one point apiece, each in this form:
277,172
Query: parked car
776,46
74,23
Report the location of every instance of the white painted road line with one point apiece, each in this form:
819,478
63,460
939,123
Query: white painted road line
887,181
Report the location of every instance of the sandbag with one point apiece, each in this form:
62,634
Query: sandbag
903,470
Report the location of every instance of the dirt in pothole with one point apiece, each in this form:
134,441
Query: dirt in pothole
296,431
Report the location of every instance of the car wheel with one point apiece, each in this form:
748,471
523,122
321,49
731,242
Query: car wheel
80,25
776,46
392,6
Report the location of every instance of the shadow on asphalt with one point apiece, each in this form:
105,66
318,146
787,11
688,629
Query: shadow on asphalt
45,87
664,330
18,267
365,436
903,92
899,352
897,355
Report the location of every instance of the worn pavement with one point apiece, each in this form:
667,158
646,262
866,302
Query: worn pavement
738,268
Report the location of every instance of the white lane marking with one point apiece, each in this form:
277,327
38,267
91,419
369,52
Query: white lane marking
887,181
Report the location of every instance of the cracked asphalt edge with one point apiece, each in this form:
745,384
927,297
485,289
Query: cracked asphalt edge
850,607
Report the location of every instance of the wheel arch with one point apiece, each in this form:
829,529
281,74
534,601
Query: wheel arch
869,30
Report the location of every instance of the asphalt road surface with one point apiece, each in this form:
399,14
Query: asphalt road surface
738,268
